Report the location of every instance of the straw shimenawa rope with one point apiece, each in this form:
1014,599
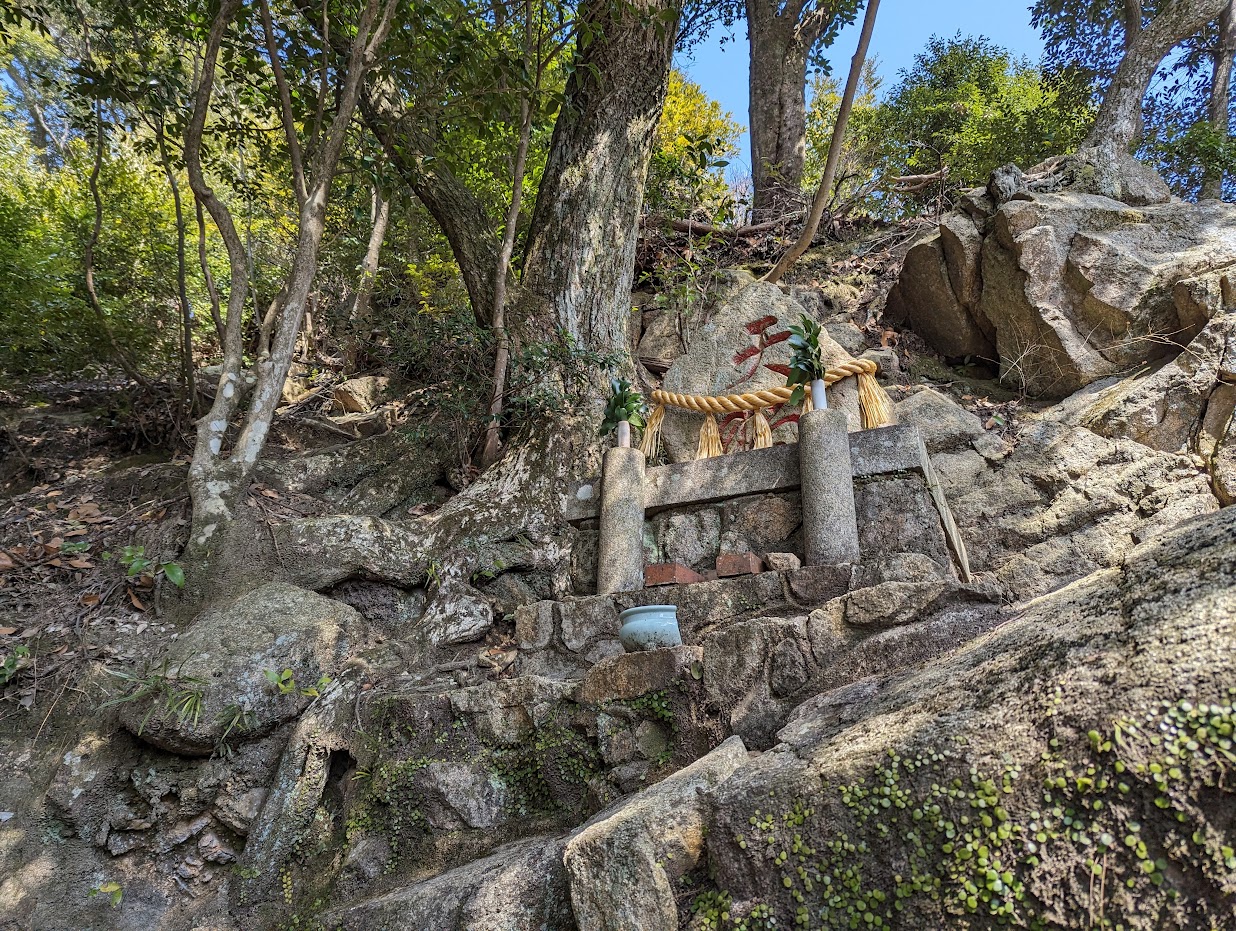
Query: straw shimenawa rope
873,402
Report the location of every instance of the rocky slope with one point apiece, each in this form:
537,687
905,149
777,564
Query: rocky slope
1049,745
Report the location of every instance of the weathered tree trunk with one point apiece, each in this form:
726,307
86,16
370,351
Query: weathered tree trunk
781,37
1221,92
461,216
1117,127
580,258
358,318
824,193
217,480
778,110
576,287
1132,19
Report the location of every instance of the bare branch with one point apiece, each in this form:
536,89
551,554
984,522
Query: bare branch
824,193
212,429
371,31
706,229
285,104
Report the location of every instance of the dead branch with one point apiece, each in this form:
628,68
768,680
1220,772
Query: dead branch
910,184
704,229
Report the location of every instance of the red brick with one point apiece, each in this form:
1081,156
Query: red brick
670,573
730,564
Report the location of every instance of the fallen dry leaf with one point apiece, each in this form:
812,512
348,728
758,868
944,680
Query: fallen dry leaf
89,600
137,602
5,631
6,561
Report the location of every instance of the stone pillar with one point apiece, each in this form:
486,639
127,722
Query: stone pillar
830,529
620,555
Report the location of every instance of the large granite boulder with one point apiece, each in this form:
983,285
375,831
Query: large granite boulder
1162,408
622,865
1066,286
744,347
616,872
1067,501
938,291
519,887
213,680
1076,760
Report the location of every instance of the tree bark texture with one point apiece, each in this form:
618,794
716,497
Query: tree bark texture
577,281
1117,127
580,259
781,36
1221,92
778,107
359,317
463,219
824,193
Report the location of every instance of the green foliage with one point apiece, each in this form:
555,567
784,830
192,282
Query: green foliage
1132,809
285,683
863,152
46,216
694,142
625,403
173,573
1186,152
1087,40
235,718
655,705
970,106
573,367
13,663
113,891
556,755
167,693
806,362
137,563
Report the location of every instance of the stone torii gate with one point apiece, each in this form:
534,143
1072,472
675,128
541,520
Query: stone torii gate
823,467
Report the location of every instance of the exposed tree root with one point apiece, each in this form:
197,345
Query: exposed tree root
521,501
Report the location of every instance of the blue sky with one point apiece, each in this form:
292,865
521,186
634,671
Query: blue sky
901,32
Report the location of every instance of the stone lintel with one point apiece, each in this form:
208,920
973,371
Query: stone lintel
755,472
